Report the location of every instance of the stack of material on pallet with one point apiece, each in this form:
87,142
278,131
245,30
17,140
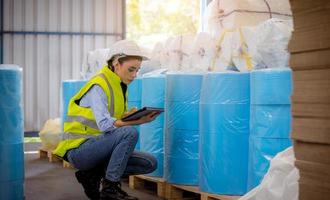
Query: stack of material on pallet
152,134
224,132
310,62
11,133
270,122
134,100
181,128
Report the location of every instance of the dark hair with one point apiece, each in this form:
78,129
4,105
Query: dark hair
121,60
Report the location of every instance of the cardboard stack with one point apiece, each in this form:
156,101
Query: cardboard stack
310,60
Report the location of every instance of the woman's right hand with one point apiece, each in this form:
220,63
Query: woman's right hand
145,119
148,118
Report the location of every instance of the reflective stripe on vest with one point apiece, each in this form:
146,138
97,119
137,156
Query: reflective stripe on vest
82,120
67,136
112,101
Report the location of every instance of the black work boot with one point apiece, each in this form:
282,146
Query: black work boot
112,191
90,180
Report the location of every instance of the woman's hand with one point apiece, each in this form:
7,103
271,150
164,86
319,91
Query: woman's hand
148,118
132,110
145,119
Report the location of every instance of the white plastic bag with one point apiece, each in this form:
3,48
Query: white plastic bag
180,47
231,14
203,52
262,46
223,54
51,134
154,62
94,61
281,180
272,41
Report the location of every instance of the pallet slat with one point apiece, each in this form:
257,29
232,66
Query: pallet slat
172,191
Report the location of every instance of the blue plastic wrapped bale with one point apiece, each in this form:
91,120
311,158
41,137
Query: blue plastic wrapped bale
271,86
182,130
261,151
224,133
182,156
134,100
11,133
226,88
69,89
151,134
183,87
270,121
223,163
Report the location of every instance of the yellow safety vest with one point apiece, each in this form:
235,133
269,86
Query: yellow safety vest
81,123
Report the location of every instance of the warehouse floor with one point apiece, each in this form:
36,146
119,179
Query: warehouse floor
44,180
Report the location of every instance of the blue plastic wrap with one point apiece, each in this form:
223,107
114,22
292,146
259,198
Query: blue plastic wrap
226,88
182,130
12,190
11,133
69,89
261,151
151,134
271,121
271,86
182,157
134,100
223,163
224,133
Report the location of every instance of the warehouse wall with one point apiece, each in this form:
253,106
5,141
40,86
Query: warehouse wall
49,39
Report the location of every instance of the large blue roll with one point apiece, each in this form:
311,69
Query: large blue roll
134,100
151,134
271,86
271,121
69,89
224,133
182,136
261,151
11,133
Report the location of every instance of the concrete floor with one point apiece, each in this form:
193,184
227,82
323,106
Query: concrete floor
44,180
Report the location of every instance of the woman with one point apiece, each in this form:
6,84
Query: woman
97,141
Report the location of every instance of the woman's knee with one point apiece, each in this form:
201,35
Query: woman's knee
130,132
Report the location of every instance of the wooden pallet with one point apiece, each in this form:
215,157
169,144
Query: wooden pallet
53,158
172,191
138,182
176,192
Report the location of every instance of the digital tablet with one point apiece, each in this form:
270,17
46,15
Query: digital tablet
142,112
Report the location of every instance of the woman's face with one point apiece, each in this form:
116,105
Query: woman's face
128,70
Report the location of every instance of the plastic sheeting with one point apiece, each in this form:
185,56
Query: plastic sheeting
281,180
69,89
151,135
270,123
261,151
11,133
182,133
224,133
134,100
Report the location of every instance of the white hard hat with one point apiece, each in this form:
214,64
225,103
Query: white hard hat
126,48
